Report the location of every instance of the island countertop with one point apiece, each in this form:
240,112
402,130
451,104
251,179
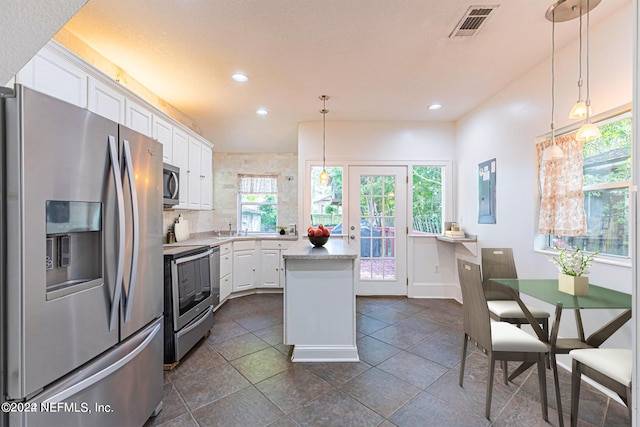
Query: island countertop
335,248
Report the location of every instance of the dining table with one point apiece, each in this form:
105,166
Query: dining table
547,290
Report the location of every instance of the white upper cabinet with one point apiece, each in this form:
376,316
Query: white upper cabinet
55,75
138,117
194,174
206,168
106,100
57,72
181,160
163,133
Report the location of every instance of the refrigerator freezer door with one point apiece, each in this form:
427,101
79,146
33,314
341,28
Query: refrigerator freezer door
141,159
57,318
123,387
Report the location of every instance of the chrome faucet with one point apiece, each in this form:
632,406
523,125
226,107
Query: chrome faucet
229,227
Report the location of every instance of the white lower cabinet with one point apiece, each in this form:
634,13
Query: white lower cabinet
272,263
258,264
245,265
226,268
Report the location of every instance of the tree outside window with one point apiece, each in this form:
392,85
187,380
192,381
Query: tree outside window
607,179
427,199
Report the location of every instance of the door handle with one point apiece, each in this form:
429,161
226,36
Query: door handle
115,169
135,231
352,237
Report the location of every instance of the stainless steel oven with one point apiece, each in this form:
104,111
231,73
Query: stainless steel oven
170,184
192,290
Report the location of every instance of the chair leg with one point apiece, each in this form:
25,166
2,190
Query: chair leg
491,371
575,391
463,358
542,379
556,385
629,403
505,372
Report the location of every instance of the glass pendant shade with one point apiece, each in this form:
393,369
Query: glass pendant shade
324,177
579,110
552,152
587,132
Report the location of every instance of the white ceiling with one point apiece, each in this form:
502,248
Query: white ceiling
377,59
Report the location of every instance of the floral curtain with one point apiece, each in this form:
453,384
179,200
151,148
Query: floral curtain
561,196
257,184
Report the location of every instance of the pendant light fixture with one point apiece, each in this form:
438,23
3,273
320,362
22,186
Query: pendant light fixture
579,109
324,176
588,130
553,152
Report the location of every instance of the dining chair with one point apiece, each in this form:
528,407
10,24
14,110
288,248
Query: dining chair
610,367
498,263
501,341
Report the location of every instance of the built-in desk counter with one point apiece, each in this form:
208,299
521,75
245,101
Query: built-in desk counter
320,302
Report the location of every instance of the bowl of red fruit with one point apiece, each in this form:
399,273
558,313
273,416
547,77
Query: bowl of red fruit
319,235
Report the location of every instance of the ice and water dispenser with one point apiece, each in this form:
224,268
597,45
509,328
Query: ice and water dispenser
73,246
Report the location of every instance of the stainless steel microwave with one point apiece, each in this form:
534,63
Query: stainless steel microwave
170,184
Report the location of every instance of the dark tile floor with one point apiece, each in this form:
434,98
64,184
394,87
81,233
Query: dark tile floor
408,375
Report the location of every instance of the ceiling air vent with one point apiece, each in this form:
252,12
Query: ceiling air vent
472,20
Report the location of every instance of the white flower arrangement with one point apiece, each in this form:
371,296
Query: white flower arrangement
573,262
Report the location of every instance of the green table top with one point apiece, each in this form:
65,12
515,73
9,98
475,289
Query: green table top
547,290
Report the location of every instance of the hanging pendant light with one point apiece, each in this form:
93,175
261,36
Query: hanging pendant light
324,176
579,109
553,152
588,130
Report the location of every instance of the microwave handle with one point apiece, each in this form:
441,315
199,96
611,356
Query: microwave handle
174,180
117,286
135,231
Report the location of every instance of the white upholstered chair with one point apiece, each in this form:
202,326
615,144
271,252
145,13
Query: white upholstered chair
498,263
610,367
501,341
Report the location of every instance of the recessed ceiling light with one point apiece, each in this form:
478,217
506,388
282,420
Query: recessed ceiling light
435,106
239,77
262,112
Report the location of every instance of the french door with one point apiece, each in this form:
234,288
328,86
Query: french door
377,228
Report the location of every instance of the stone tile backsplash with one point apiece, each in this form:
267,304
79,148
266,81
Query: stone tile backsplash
226,167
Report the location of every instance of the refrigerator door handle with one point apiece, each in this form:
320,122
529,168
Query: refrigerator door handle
93,378
135,231
117,288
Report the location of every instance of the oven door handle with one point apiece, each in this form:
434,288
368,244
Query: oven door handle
117,286
135,245
192,257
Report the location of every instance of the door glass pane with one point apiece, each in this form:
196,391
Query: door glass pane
377,228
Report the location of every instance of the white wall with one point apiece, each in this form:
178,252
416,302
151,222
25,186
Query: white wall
384,143
505,128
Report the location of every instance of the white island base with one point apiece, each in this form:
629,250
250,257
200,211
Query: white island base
320,303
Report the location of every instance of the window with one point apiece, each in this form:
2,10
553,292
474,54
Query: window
427,199
258,203
607,179
326,200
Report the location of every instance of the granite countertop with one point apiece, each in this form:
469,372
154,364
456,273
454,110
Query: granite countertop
335,248
213,240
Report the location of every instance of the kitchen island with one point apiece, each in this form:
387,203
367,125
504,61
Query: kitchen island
320,302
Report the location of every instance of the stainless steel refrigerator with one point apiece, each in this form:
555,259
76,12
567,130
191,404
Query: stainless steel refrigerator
82,278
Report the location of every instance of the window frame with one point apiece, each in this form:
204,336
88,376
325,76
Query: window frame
448,201
543,242
240,205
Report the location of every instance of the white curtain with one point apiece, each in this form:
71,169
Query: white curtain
257,184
